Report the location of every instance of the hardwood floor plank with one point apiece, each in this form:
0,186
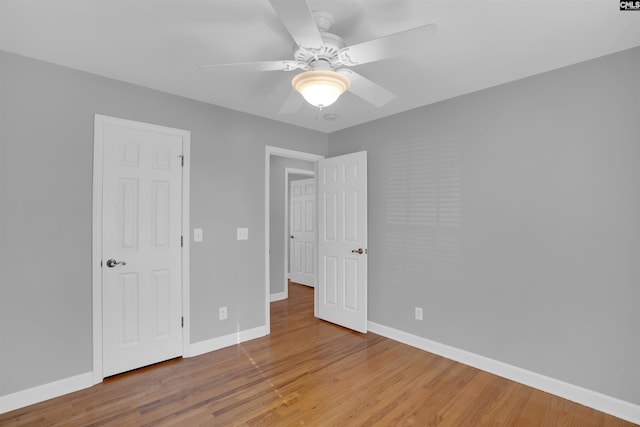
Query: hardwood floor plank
309,373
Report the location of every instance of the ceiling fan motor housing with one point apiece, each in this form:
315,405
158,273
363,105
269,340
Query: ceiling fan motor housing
329,52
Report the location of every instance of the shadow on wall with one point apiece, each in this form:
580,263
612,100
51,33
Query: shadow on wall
423,214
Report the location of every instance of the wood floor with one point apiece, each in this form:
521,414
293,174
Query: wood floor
309,373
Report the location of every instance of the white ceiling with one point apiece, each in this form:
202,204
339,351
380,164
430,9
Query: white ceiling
160,44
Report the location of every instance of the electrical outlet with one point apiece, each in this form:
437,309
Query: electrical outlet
197,234
222,313
418,313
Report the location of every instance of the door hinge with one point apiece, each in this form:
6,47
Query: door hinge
181,160
181,241
182,322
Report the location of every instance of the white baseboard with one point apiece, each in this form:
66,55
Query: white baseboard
601,402
44,392
277,296
202,347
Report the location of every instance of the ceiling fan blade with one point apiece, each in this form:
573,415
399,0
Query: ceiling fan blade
364,88
292,103
397,44
298,19
252,66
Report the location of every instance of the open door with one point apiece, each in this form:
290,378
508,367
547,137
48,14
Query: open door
342,240
302,232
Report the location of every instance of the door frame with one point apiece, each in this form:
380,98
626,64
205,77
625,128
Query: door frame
96,256
291,154
287,226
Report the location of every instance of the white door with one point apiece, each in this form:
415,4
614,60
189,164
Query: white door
342,240
302,232
141,252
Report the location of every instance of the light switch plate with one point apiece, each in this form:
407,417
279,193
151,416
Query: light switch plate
197,234
243,233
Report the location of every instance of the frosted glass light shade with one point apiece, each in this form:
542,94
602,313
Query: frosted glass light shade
320,88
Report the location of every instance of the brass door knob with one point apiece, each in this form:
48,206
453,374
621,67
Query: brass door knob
358,251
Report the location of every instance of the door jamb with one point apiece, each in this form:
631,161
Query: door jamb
96,256
287,226
291,154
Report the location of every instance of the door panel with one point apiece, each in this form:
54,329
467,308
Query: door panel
128,299
329,294
142,197
342,244
302,267
160,290
350,284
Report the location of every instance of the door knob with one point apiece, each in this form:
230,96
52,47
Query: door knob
112,263
291,237
358,251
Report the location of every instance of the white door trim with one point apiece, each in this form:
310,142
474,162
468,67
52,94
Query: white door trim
287,172
96,256
291,154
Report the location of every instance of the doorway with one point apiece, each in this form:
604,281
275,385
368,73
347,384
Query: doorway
341,293
300,205
276,238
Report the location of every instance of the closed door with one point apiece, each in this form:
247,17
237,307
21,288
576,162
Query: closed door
342,240
141,264
302,252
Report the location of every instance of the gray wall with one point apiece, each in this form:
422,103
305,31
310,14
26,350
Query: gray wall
45,192
276,217
4,112
511,216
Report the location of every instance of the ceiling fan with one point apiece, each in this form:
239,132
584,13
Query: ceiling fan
325,59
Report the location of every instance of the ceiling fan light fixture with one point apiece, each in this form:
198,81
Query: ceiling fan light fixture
320,88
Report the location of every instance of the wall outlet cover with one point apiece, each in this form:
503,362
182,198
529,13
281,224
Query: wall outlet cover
243,233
